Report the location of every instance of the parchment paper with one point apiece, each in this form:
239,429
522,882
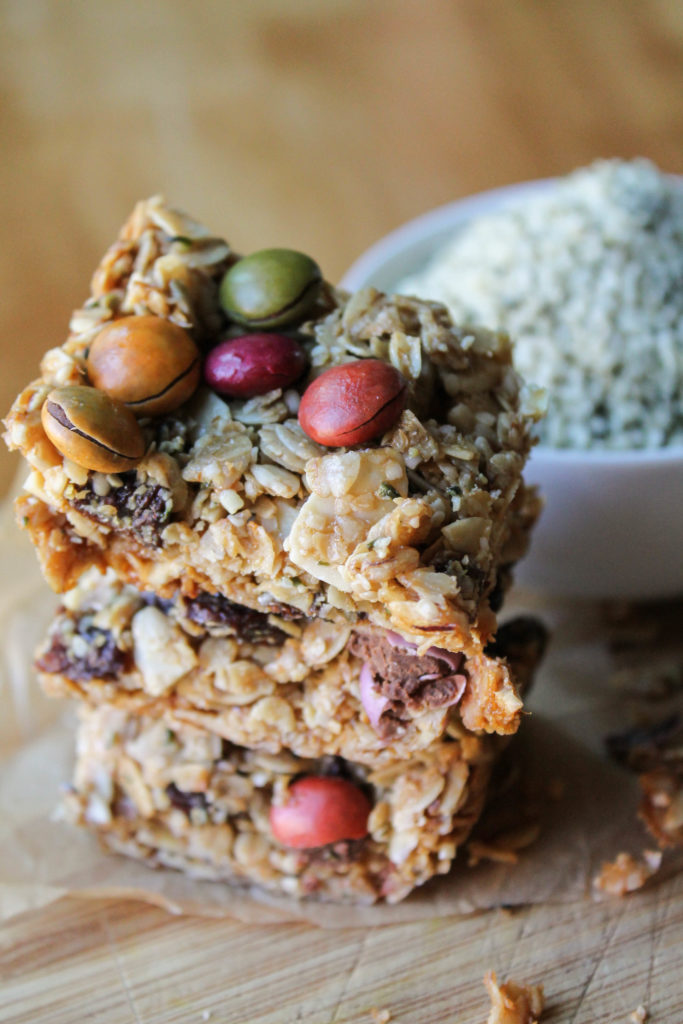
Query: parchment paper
590,818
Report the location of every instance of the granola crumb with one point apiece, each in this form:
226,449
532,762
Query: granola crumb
504,848
380,1016
478,851
639,1015
661,806
512,1003
625,874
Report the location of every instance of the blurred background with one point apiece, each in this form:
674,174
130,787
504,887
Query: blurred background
314,124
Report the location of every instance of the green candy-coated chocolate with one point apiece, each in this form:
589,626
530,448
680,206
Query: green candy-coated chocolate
270,289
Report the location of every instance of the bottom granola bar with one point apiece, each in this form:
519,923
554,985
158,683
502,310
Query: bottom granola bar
177,796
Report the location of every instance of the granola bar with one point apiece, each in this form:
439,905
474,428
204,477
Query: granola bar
176,796
268,682
414,531
283,520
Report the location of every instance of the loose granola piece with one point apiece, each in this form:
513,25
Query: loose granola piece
512,1003
625,874
655,751
505,849
661,805
648,746
639,1015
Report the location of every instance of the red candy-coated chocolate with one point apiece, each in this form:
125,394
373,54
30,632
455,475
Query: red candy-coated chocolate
254,364
320,810
352,403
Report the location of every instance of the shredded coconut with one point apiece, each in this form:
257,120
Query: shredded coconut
587,277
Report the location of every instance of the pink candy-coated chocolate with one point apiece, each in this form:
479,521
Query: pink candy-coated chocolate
375,704
372,700
462,683
254,364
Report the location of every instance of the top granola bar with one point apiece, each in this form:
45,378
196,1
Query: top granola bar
414,530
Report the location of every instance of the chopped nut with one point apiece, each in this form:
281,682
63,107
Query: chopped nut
161,651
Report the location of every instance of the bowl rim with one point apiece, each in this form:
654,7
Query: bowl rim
439,218
442,219
604,456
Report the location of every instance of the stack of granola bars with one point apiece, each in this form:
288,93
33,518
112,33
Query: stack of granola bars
281,628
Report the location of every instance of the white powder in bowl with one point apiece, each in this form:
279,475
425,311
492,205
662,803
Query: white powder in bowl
587,277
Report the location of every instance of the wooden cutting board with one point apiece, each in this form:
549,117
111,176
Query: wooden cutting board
321,126
116,962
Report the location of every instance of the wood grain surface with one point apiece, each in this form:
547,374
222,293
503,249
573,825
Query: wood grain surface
320,125
115,963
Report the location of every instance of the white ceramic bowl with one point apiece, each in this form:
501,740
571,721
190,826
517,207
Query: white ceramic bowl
612,526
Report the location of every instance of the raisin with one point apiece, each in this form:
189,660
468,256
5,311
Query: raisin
186,801
102,660
137,508
214,610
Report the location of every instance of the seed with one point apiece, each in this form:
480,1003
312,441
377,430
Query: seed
352,403
147,362
92,429
254,364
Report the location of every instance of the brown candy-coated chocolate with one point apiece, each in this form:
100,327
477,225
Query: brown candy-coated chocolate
92,429
352,403
147,362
